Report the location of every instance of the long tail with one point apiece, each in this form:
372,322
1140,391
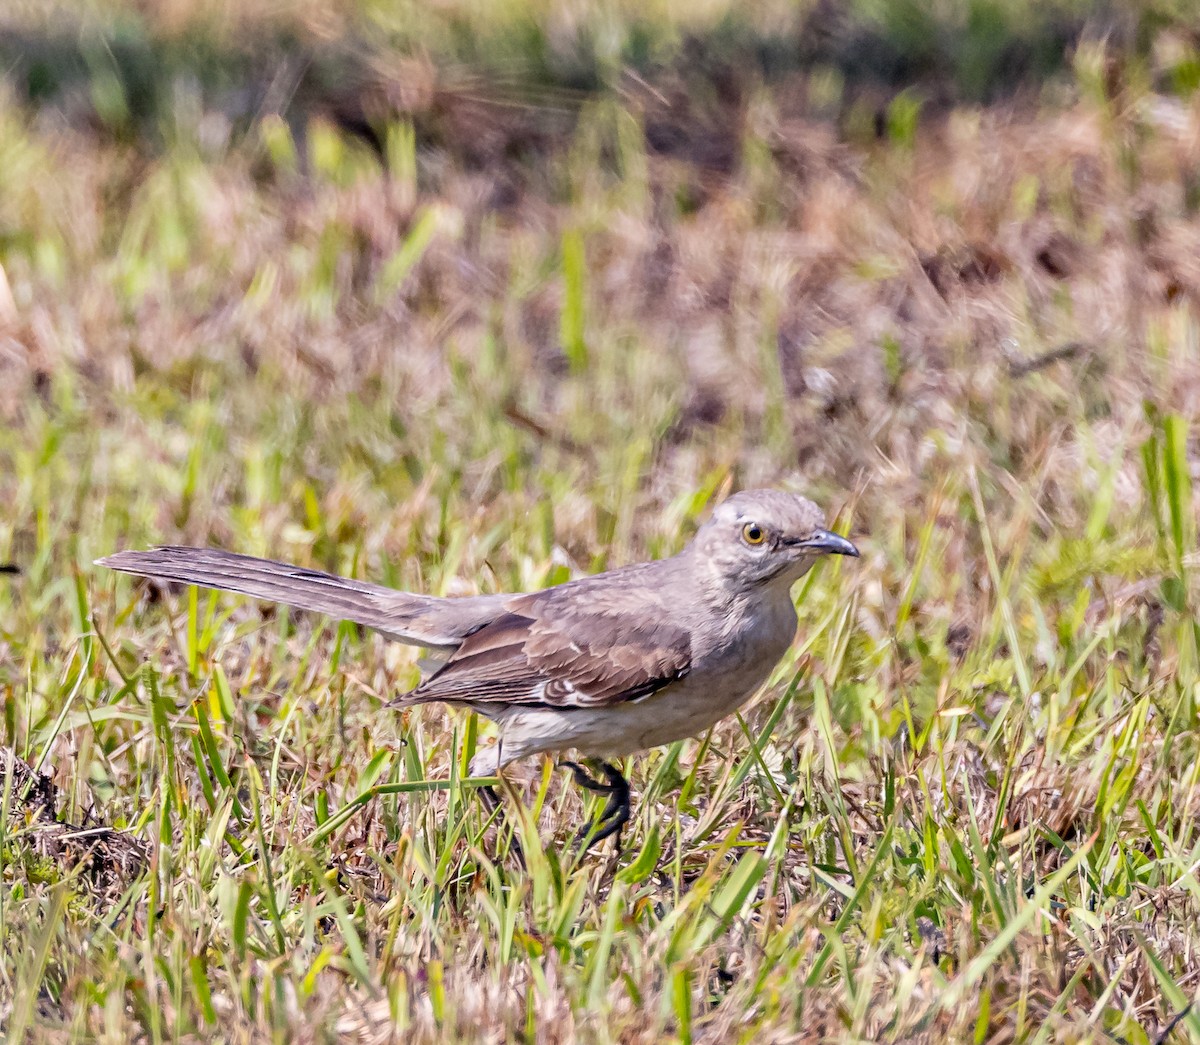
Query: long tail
422,620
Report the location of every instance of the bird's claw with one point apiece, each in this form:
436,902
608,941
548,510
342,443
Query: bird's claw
617,810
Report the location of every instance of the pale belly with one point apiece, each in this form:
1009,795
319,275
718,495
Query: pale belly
684,709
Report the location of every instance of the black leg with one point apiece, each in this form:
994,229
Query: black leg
617,810
491,803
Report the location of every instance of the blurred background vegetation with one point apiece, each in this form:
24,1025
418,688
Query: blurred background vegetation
136,68
478,296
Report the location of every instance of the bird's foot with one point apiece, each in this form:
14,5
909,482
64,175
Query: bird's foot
617,810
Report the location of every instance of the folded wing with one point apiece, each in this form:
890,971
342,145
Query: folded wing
545,653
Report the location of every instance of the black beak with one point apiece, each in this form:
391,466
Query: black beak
825,542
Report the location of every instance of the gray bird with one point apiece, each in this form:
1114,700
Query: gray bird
606,665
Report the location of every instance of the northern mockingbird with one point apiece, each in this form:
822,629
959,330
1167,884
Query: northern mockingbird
606,665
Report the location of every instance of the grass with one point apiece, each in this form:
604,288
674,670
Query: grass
965,807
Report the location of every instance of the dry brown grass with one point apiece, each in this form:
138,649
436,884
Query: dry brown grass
964,338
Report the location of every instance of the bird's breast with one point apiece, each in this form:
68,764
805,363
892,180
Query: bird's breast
729,664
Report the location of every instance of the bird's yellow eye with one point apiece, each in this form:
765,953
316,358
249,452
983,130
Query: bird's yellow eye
752,533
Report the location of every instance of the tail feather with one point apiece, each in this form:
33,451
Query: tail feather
423,620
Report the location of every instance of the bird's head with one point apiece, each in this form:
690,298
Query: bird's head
758,537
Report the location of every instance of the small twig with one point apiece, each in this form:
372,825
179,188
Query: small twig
519,418
1018,367
1175,1021
108,650
91,832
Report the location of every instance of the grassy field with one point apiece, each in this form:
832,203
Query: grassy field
463,331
